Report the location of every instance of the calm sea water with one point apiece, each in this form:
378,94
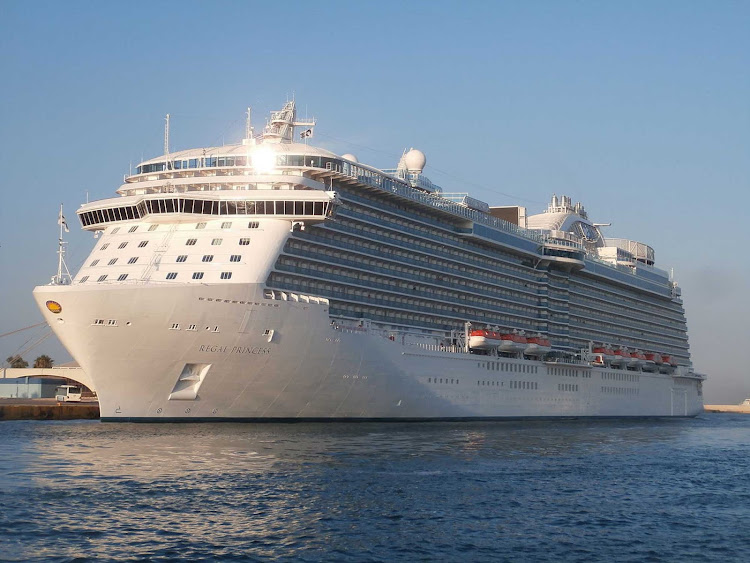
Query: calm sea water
674,490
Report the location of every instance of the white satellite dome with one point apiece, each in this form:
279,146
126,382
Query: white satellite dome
415,161
350,157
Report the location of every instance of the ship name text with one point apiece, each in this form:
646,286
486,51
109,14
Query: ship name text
218,349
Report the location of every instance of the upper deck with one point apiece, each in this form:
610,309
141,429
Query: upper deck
270,174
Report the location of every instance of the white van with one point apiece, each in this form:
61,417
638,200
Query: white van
68,393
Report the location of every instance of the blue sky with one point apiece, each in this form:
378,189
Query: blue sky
641,110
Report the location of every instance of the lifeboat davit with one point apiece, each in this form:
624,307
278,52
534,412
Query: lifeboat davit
622,357
598,360
654,358
637,359
607,354
512,343
537,346
484,339
649,363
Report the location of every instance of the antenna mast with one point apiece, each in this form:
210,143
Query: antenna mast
249,133
166,135
63,275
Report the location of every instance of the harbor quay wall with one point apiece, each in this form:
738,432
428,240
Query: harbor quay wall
48,410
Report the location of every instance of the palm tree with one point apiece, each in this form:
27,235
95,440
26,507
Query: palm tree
17,362
43,361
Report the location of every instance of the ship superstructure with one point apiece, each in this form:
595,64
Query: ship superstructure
274,279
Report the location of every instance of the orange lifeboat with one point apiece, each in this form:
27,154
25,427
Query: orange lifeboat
637,359
537,346
622,357
606,353
649,363
652,358
512,343
483,339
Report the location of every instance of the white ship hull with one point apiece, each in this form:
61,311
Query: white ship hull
252,358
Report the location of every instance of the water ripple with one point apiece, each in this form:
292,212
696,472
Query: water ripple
541,491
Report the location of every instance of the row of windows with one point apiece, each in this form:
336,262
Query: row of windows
396,266
223,161
217,241
624,376
224,225
626,297
181,258
397,311
567,387
635,311
446,298
592,316
122,245
524,385
620,390
454,259
569,372
609,332
440,380
509,367
204,207
410,214
405,270
133,229
400,224
454,314
169,276
193,327
103,277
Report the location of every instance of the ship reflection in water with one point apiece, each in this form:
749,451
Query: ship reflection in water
531,490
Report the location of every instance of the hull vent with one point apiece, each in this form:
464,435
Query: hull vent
191,377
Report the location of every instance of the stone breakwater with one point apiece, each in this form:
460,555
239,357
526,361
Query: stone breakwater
43,410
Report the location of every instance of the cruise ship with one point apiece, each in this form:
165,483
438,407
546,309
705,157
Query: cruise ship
274,280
